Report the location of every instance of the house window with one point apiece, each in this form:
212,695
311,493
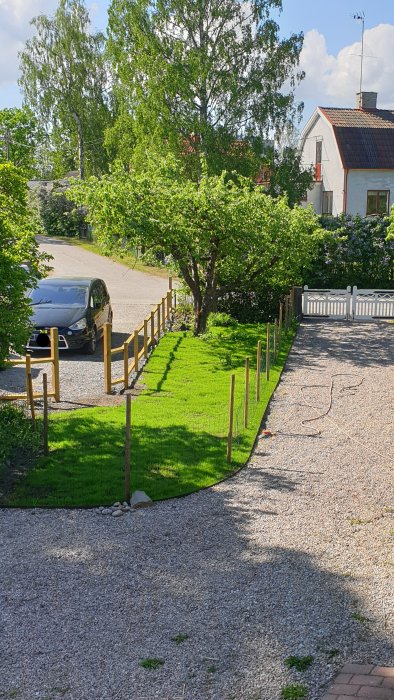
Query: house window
327,203
377,202
319,147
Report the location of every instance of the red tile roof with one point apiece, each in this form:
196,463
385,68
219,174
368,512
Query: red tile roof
365,138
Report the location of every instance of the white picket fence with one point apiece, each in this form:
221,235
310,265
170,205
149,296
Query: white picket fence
347,305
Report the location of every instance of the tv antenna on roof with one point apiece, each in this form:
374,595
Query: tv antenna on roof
360,17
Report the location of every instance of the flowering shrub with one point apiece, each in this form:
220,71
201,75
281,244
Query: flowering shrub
354,251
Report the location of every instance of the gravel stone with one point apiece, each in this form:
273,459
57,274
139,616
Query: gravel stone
263,566
117,513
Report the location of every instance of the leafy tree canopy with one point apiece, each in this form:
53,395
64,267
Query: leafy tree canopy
18,246
218,231
209,76
19,139
64,80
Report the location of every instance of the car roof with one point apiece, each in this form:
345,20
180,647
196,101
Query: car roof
68,281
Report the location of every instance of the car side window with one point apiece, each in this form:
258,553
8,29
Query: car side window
95,297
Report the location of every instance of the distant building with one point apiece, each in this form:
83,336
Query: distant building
352,151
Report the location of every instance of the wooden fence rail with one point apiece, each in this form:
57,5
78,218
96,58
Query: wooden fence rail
28,361
152,329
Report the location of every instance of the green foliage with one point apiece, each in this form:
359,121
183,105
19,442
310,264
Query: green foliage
221,319
353,251
64,79
287,175
174,67
219,231
180,638
151,664
17,437
19,138
300,663
18,246
294,692
59,215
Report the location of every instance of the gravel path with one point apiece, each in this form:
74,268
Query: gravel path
133,294
292,556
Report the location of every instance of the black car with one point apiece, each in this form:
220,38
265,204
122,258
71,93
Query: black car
77,306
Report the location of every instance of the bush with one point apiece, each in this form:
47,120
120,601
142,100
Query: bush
183,317
354,251
257,303
18,439
59,216
222,319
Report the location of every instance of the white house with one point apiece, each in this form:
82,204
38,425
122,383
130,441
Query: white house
352,151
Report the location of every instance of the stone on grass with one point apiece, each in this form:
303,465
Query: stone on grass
140,499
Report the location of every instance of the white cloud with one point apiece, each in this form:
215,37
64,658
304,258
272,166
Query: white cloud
15,18
334,80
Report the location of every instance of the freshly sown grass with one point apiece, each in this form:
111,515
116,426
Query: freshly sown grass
179,426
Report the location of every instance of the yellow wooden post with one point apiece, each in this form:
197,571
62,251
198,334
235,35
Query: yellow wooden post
169,304
163,313
170,283
145,338
126,365
246,399
29,388
258,369
275,339
231,419
136,352
127,449
107,358
54,335
158,323
152,328
267,353
280,325
45,414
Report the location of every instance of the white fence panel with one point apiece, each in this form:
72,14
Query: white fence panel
372,303
333,303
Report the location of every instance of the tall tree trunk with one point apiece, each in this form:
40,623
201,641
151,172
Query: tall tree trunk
81,146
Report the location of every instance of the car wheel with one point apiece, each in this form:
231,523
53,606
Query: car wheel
91,346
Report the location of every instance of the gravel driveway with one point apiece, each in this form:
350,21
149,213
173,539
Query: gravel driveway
133,295
292,556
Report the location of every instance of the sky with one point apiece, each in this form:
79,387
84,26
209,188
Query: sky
330,57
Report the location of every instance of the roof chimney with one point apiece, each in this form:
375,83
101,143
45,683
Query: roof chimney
366,100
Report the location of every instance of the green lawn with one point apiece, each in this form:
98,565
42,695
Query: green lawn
179,426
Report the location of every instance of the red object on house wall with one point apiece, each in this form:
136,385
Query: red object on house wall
318,171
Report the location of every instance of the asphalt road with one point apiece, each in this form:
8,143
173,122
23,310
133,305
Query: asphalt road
133,294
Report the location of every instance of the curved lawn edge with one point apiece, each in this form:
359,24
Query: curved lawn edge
178,444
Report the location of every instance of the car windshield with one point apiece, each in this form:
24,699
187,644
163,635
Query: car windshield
60,295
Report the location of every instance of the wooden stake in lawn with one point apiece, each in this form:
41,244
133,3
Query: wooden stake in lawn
136,352
107,358
258,369
286,314
246,401
146,338
280,325
127,463
126,365
29,389
275,339
267,353
152,329
231,419
54,336
45,414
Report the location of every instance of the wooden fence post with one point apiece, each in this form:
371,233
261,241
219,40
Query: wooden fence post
268,353
54,335
146,338
169,304
107,358
127,465
246,400
152,328
45,413
258,369
275,339
29,389
231,419
280,325
126,365
170,283
158,323
292,305
136,352
286,313
163,314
